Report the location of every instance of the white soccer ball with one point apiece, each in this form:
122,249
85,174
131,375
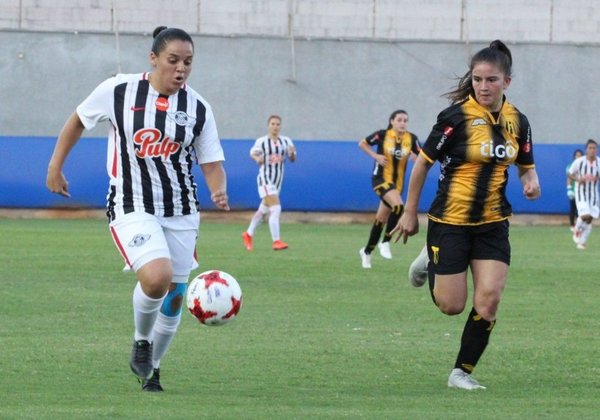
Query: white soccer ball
214,297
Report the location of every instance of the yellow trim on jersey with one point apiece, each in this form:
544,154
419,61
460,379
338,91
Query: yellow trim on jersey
427,158
435,219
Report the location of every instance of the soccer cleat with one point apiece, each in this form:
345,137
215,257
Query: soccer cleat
141,359
460,379
417,272
279,245
152,384
365,258
247,238
384,250
581,246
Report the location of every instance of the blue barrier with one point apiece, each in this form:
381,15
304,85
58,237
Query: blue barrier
328,176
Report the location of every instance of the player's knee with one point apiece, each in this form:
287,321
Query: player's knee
173,302
449,307
155,278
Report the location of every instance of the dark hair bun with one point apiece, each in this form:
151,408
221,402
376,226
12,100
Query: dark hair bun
158,30
501,46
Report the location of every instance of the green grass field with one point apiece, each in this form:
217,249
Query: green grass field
317,336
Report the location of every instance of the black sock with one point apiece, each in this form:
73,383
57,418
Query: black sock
431,278
376,230
473,342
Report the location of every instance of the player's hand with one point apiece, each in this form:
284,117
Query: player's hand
380,159
571,194
56,183
408,225
531,190
220,199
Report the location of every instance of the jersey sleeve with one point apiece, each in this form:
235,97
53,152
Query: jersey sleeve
525,155
375,138
207,145
441,134
573,168
415,146
256,149
98,105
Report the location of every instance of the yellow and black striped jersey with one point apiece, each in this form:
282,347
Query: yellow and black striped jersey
475,149
396,148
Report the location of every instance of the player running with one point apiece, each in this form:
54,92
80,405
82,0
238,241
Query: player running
158,127
585,171
394,146
270,153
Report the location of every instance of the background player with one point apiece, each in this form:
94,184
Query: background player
585,172
158,127
270,153
475,140
394,145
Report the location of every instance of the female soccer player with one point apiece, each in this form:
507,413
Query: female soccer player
158,127
394,146
270,153
585,171
475,140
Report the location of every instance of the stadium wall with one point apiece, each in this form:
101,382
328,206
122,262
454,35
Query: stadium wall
340,89
329,176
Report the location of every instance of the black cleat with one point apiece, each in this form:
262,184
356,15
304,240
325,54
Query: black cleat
152,384
141,359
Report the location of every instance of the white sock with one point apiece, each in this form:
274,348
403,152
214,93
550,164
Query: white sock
145,311
579,225
257,219
585,233
275,211
164,331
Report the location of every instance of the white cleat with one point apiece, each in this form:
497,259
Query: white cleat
462,380
581,246
384,250
417,272
365,258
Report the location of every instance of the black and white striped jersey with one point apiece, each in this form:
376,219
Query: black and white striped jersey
588,190
152,143
274,155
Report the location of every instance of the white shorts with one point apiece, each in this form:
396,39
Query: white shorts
267,189
583,207
142,237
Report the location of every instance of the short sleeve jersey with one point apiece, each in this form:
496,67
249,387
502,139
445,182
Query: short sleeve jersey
475,149
396,148
153,141
274,154
589,171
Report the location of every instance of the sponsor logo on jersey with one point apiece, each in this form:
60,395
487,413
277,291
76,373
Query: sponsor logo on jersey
137,108
139,239
500,151
181,118
152,144
162,104
447,132
478,121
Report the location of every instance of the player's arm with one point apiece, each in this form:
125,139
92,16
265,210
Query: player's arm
408,225
531,183
68,137
216,180
366,147
292,153
256,154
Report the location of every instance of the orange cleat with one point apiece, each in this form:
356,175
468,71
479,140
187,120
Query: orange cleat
279,245
247,238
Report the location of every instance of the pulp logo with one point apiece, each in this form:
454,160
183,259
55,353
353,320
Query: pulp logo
162,104
149,140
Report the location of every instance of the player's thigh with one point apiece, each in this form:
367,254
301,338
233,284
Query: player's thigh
181,234
266,190
139,237
271,200
392,197
451,292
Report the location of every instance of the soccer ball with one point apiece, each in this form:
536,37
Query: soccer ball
214,297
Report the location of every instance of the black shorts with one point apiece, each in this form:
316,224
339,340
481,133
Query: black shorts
451,248
381,188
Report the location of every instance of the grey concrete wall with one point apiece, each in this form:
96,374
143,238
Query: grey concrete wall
342,90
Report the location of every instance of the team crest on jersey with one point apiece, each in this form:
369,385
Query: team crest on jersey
478,121
181,118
